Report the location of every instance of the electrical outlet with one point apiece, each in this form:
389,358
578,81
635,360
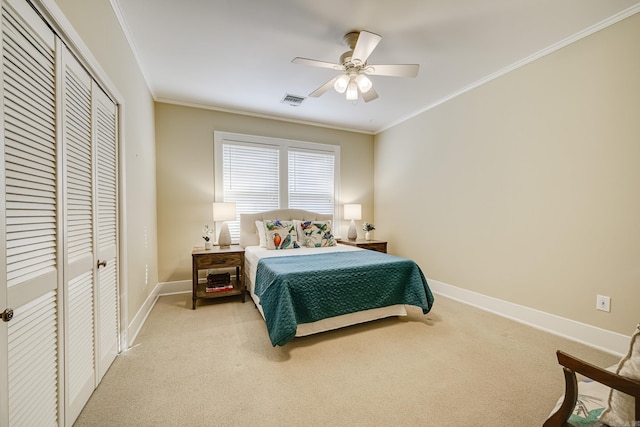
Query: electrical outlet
603,303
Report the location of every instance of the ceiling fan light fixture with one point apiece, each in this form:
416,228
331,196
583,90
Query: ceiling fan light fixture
355,70
364,83
341,83
352,91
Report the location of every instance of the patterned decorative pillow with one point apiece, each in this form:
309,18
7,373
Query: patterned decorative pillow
315,234
620,410
592,398
280,234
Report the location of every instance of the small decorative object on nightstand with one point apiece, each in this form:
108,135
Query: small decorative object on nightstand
372,245
218,284
368,228
206,235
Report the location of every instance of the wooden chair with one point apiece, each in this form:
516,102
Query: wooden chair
571,365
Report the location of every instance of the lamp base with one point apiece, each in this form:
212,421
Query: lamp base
224,239
352,234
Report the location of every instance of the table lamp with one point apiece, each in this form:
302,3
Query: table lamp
224,211
352,212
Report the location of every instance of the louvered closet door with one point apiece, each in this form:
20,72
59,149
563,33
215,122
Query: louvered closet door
78,164
29,231
105,143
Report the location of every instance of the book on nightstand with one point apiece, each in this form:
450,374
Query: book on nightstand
219,282
219,288
216,280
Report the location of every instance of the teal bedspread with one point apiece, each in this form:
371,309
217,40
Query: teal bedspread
306,288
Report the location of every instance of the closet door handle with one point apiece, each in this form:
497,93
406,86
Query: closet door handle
102,263
7,315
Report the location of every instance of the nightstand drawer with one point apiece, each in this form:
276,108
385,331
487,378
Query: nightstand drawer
219,260
372,245
375,247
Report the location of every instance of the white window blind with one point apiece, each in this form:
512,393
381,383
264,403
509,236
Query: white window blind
311,181
261,174
250,179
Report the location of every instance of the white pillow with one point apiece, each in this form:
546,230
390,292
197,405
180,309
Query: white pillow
280,234
261,234
620,410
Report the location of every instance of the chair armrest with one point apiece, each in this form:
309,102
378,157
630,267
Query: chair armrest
571,366
610,379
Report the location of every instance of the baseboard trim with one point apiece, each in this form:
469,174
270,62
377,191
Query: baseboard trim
177,287
162,288
607,341
141,316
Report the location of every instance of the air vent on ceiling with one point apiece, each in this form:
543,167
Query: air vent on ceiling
292,100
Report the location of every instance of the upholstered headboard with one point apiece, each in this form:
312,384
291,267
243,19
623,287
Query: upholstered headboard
249,232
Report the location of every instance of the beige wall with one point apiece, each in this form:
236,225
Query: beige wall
185,174
98,27
527,188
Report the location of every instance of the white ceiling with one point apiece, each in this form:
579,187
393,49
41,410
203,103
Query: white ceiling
235,55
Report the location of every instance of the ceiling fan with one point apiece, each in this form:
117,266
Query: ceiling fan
355,69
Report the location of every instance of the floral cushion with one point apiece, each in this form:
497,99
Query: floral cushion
592,398
315,234
280,234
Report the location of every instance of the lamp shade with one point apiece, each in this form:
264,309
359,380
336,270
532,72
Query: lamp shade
353,211
224,211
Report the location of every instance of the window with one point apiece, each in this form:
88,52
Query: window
311,181
260,174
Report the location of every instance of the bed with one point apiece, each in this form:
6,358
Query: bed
303,286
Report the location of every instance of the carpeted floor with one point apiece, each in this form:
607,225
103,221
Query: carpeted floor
215,366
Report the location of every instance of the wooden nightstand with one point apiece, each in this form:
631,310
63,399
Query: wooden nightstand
215,259
372,245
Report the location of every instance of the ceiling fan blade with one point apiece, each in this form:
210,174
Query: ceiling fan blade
364,46
325,87
393,70
315,63
369,95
